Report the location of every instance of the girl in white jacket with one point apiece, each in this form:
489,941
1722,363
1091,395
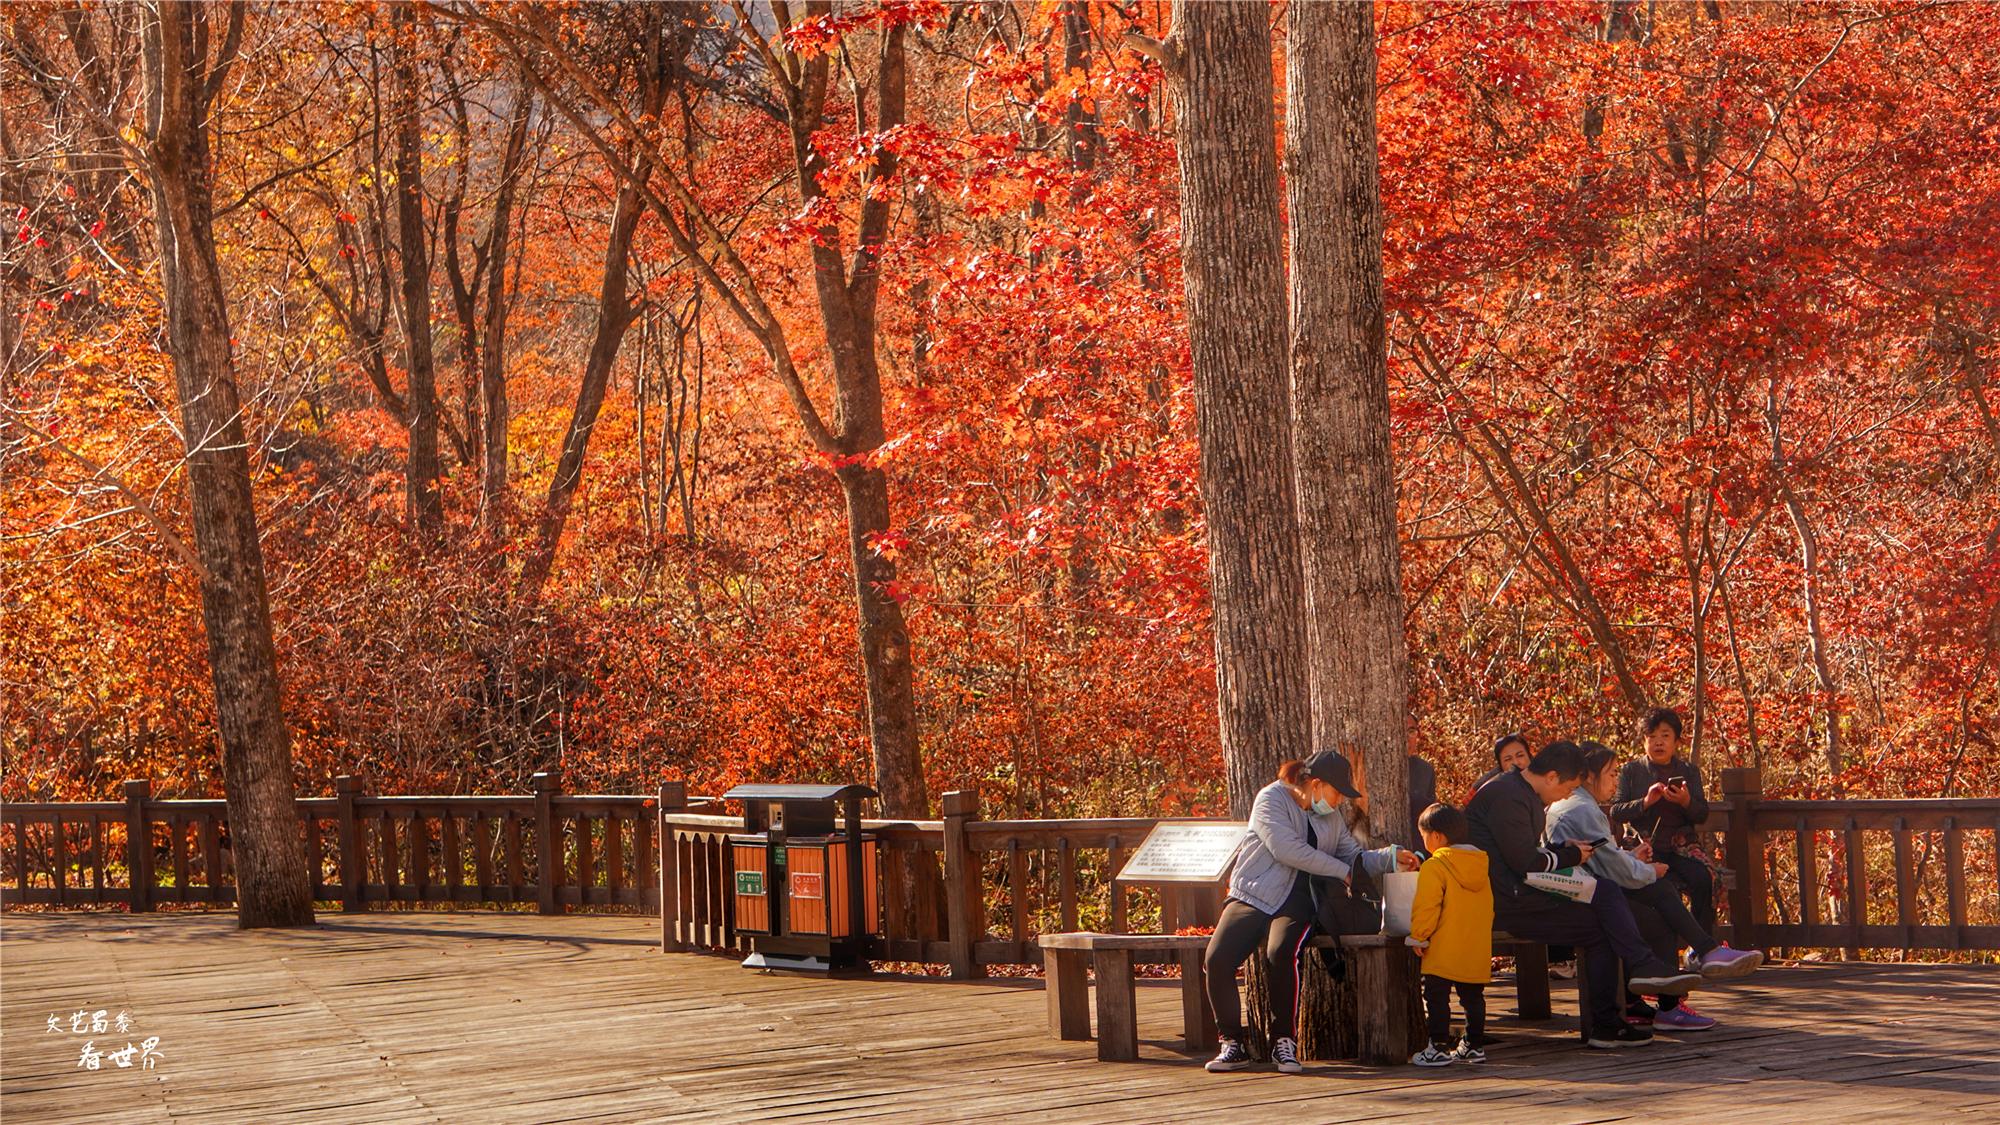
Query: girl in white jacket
1663,918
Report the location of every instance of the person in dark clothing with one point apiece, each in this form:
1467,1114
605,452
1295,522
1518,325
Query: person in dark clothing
1660,798
1423,792
1510,752
1508,817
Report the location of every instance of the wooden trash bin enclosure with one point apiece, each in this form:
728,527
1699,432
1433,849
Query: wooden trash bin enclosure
803,876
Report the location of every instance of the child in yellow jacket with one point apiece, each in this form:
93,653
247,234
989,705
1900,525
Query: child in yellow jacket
1451,923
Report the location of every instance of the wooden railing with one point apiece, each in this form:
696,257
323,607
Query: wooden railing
960,892
1803,876
548,848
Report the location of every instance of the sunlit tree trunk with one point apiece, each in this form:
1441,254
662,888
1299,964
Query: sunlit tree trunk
1822,663
424,508
494,411
1218,64
615,314
1340,405
182,82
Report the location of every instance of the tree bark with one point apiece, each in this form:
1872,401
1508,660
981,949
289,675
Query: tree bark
493,406
424,507
181,84
1829,688
1218,64
1340,406
614,315
885,646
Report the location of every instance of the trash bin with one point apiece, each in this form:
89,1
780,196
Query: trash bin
805,876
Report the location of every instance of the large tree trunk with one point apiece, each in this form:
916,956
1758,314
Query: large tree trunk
1340,406
268,844
424,507
885,647
847,302
1218,63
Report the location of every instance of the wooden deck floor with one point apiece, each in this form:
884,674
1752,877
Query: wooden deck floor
488,1018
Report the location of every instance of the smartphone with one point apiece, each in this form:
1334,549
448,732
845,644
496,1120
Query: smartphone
1677,783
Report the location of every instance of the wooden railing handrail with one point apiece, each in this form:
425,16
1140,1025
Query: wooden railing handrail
969,891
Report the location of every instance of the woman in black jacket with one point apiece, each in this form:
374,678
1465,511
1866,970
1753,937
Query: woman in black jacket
1660,797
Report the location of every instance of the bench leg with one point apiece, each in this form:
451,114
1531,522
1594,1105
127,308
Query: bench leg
1197,1022
1068,993
1117,1010
1531,981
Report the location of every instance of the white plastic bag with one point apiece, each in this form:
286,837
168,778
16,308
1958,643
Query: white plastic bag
1567,882
1399,898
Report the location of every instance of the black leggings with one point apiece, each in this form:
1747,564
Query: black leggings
1695,878
1240,930
1667,925
1437,1007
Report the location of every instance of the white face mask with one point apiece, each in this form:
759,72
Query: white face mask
1321,807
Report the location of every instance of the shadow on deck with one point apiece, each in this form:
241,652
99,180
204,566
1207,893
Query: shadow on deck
458,1017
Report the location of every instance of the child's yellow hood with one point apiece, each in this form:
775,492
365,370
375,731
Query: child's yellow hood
1465,864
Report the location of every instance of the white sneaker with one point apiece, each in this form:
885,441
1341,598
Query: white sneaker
1232,1056
1285,1054
1467,1053
1431,1056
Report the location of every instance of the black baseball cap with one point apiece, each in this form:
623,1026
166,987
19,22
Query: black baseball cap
1329,766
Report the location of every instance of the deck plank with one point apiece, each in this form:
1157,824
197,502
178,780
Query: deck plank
492,1016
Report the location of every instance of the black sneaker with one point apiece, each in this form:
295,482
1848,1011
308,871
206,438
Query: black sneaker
1638,1013
1285,1056
1232,1056
1624,1036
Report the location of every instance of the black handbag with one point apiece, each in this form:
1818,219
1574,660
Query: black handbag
1351,906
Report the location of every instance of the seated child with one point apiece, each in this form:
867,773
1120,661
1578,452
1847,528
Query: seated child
1452,925
1656,903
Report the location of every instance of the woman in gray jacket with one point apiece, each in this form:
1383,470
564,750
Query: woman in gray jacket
1664,921
1296,832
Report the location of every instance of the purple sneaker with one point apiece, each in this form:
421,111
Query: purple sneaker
1682,1018
1724,963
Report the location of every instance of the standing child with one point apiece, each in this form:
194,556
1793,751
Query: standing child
1451,924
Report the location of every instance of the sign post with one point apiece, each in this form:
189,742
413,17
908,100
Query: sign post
1186,860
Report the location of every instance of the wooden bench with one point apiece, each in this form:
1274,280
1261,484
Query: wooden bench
1384,968
1066,957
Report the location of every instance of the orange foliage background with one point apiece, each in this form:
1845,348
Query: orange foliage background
1785,220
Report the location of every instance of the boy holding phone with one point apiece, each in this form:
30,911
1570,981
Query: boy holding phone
1660,797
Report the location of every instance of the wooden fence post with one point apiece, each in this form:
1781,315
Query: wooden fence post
353,874
1743,850
964,902
138,847
548,837
673,798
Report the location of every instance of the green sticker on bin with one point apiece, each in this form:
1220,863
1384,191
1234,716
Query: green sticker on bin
749,882
778,855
